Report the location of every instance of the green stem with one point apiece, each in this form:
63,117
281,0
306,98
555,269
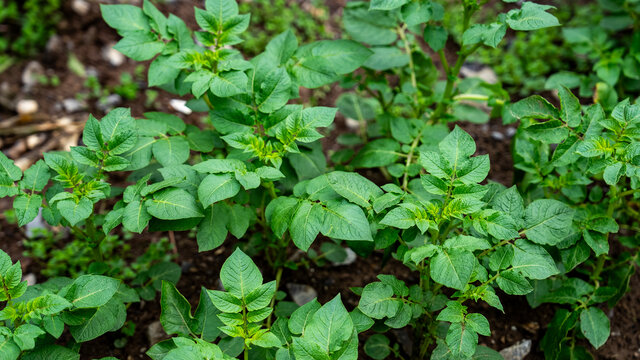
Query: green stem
414,81
273,299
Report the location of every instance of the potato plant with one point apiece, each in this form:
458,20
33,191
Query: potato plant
588,159
256,169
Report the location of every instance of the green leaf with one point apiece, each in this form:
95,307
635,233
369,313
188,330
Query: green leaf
380,152
457,147
176,311
345,221
229,83
452,268
478,323
386,4
535,107
595,326
354,187
488,34
384,58
274,91
239,275
547,221
50,352
212,231
75,211
135,217
9,169
173,204
533,261
306,223
91,291
531,16
322,62
172,150
140,45
513,283
27,207
462,340
436,37
124,18
570,109
377,301
301,316
377,347
25,335
222,10
330,326
106,318
215,188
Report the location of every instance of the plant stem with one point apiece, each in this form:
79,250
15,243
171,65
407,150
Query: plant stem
273,299
414,81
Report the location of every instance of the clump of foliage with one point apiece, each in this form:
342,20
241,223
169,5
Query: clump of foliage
27,25
272,18
256,171
33,317
587,159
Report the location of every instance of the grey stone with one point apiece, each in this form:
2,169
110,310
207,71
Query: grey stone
30,278
31,73
350,259
155,333
301,293
180,106
510,132
109,102
81,7
113,56
73,105
517,351
26,107
497,135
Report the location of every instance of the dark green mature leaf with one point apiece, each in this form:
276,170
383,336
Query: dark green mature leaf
377,301
345,221
547,221
535,107
377,347
306,223
215,188
462,340
354,187
173,204
380,152
90,291
595,326
176,311
124,18
330,326
106,318
452,268
27,207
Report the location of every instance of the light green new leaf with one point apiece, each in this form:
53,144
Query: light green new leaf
531,16
9,169
239,275
457,147
330,326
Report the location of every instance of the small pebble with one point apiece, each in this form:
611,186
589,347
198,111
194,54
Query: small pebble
81,7
30,279
352,123
109,102
73,105
35,140
517,351
497,135
510,132
155,333
350,259
26,107
113,56
31,74
301,294
180,106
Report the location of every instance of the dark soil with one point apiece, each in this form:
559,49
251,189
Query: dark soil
86,36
